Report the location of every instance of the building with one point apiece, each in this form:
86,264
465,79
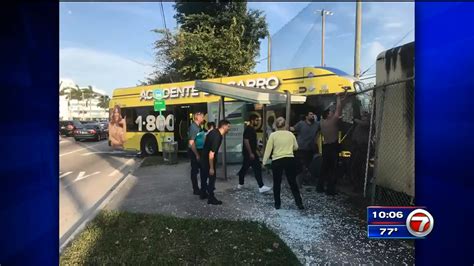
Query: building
80,108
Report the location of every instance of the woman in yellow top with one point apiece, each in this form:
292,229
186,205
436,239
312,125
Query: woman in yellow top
117,129
282,144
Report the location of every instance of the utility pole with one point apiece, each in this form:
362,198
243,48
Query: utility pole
324,13
269,56
358,31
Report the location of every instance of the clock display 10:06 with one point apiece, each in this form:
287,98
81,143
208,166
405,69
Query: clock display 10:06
391,215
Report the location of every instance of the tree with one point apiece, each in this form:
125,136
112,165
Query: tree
221,15
213,40
88,94
104,102
71,93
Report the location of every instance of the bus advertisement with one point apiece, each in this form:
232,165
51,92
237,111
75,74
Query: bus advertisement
136,126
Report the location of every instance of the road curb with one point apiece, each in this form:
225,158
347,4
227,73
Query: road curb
92,212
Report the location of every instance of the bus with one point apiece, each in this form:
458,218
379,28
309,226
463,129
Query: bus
135,126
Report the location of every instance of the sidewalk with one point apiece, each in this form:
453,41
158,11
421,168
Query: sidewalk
329,230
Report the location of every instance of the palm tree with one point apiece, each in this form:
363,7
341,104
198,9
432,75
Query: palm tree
71,93
87,95
104,102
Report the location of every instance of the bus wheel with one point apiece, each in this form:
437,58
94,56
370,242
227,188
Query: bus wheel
149,145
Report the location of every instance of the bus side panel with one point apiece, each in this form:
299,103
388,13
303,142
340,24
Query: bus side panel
132,142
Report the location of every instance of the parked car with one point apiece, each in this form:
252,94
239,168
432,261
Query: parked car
105,127
67,127
90,131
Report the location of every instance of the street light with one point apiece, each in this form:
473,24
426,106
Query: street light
323,12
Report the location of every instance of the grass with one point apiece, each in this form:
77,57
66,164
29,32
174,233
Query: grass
151,239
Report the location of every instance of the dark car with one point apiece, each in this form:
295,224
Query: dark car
105,127
67,127
92,131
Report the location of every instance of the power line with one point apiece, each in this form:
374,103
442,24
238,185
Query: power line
397,43
266,58
303,43
289,22
369,76
163,16
166,30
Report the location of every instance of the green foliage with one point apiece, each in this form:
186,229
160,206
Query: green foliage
104,102
213,40
71,93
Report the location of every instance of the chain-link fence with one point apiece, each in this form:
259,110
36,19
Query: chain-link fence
390,168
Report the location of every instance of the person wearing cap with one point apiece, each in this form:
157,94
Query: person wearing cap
195,145
330,130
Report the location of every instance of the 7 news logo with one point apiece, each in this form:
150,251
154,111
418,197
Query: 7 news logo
420,223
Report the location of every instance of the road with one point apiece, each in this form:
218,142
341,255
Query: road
88,172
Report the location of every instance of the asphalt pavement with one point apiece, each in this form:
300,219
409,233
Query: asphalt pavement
87,172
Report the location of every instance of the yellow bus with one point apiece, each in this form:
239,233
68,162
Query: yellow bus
135,126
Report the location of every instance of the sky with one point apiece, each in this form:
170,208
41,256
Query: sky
110,45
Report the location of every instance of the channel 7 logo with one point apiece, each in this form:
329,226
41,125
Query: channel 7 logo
420,223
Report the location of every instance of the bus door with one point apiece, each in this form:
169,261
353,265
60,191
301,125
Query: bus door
183,119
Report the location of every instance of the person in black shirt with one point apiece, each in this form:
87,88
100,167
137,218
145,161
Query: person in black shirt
209,161
210,126
251,158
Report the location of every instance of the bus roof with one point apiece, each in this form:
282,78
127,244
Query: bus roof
303,81
335,71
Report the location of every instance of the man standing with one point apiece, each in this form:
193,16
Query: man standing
360,141
195,145
209,161
251,158
329,129
270,125
307,131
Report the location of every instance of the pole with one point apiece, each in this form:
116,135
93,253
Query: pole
82,105
264,123
323,22
269,56
69,105
358,32
224,157
288,109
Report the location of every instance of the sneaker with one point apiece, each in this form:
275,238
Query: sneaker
239,186
214,201
300,206
197,192
264,189
277,207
